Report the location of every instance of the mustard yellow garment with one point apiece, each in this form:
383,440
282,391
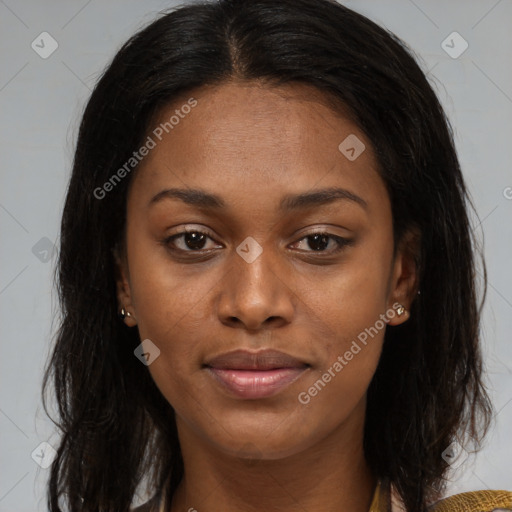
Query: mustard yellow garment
475,501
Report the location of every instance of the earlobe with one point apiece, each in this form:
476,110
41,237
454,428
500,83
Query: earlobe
128,318
398,314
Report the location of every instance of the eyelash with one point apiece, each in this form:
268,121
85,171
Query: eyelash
342,242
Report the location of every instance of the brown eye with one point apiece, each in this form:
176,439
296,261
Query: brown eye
318,242
191,241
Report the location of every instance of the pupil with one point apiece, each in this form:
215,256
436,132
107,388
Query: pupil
194,240
316,238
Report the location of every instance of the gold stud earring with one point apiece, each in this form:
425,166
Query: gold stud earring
124,313
400,311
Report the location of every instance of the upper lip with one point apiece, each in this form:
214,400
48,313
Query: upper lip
261,360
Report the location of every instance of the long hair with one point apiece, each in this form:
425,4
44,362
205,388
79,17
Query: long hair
116,427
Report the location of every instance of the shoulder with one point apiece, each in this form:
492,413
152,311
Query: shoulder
475,501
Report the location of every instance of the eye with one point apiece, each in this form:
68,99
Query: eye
319,241
191,241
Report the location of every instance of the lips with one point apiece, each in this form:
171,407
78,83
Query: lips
253,375
262,360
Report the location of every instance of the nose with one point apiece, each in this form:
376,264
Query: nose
255,295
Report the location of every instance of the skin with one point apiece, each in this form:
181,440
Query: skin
252,144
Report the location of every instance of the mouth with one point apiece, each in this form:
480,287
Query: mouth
253,375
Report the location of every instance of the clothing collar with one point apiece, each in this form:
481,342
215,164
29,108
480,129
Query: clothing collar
385,499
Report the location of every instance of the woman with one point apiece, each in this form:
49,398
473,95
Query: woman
266,274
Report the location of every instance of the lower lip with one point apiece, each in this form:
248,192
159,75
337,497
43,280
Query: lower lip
256,383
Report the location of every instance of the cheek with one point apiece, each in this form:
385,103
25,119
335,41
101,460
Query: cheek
351,351
166,296
356,297
354,313
171,310
172,314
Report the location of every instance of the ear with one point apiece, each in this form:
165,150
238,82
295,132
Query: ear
405,276
124,296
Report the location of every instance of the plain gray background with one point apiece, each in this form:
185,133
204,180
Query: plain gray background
41,100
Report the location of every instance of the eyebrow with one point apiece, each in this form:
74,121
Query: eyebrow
290,202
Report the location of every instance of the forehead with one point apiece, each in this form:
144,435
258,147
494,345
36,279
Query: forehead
246,138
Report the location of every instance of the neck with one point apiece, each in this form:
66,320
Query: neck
331,475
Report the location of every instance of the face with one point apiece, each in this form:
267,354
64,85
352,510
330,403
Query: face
288,247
